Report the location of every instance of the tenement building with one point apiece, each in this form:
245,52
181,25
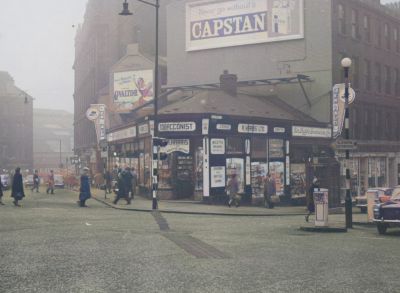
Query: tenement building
16,131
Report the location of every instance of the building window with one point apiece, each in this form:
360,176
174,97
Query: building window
367,74
367,28
356,73
354,24
388,80
342,19
378,35
378,128
234,145
396,39
258,148
397,82
378,79
387,36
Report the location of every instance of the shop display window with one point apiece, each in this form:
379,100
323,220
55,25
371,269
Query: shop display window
259,171
165,172
276,170
234,145
376,172
236,166
199,169
258,148
298,183
275,148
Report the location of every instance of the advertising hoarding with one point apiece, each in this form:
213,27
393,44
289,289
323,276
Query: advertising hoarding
226,23
132,89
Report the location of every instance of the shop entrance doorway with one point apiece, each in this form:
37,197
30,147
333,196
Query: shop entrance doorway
236,166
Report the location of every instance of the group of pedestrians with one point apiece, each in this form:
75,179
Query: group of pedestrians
126,185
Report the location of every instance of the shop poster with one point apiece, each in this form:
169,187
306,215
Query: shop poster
276,170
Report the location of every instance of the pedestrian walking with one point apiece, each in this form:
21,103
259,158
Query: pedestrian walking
269,191
122,191
36,181
128,183
134,182
108,179
17,189
50,183
84,190
1,192
232,190
310,198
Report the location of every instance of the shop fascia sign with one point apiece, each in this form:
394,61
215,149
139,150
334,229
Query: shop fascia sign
252,128
177,126
316,132
176,145
224,126
122,134
217,146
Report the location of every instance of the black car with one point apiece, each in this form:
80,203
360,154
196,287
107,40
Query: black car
388,214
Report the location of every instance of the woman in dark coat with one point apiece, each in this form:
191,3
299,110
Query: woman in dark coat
17,190
84,191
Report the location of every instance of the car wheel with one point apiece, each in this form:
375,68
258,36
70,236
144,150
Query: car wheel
382,228
363,210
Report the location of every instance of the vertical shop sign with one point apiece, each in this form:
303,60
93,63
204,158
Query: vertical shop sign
248,170
338,107
217,146
97,114
205,126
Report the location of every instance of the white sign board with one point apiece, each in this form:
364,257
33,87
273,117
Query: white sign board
143,129
317,132
177,126
226,23
338,107
218,176
177,145
217,146
252,128
224,127
122,134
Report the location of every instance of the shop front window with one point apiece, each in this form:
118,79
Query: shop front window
377,172
235,166
259,148
276,170
199,169
165,172
298,183
234,145
259,171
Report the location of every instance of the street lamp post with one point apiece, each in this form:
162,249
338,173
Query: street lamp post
346,63
125,12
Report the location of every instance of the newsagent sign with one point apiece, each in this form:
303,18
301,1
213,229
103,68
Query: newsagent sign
226,23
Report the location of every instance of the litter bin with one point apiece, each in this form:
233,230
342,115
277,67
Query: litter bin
321,207
371,199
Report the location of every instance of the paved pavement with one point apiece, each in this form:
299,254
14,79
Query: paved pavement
52,245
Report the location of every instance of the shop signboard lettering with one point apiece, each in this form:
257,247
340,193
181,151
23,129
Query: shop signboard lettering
177,126
143,129
252,128
217,24
318,132
176,145
97,114
224,126
279,130
217,146
218,176
276,148
122,134
132,89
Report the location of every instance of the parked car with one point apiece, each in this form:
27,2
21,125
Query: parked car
388,214
382,194
5,180
28,181
58,181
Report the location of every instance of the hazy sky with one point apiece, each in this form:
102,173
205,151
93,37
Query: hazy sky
37,48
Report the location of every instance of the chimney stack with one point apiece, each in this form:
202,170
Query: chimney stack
228,83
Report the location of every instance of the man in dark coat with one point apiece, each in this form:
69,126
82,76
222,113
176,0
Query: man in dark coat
17,190
128,183
84,191
134,182
269,191
108,179
123,191
1,192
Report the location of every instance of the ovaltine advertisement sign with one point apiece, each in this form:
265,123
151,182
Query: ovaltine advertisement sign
132,89
216,24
